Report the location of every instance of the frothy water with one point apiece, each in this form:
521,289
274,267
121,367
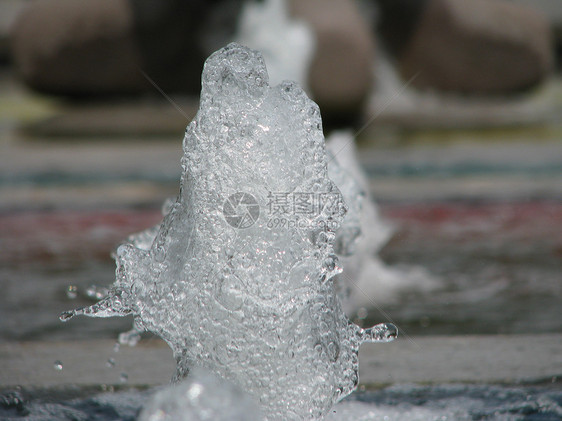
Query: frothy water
239,277
204,397
366,279
287,44
452,403
201,397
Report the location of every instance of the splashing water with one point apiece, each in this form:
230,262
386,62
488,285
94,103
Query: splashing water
238,278
72,292
201,397
366,280
287,45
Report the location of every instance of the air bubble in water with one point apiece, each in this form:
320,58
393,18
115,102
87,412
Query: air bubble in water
67,315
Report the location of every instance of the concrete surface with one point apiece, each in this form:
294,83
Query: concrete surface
105,172
472,359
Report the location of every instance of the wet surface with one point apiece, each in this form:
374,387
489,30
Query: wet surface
499,265
442,402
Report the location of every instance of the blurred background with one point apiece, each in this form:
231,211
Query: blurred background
456,107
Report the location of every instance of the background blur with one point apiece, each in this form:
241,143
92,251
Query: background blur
456,106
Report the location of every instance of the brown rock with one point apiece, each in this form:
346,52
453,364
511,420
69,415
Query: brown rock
77,47
396,22
341,73
483,46
97,47
552,9
9,10
176,36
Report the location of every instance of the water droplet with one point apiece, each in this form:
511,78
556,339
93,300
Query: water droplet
66,315
123,378
383,332
57,365
72,292
107,388
110,363
95,292
195,391
131,337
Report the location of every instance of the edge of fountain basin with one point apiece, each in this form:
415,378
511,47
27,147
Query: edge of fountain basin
492,359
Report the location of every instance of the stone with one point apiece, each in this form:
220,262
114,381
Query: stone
103,47
396,22
341,73
9,10
478,46
176,36
77,47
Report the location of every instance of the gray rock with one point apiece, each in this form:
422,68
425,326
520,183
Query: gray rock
478,46
77,47
341,72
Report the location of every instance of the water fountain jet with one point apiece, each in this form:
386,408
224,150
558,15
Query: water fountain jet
238,278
